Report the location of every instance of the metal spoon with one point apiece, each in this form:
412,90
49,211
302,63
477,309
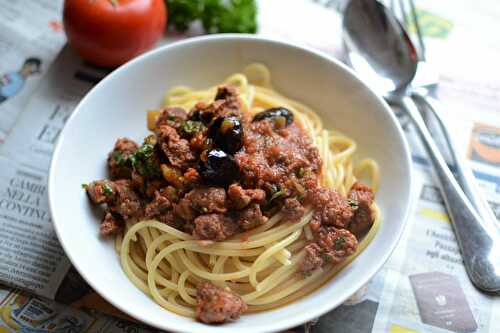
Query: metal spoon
463,173
383,54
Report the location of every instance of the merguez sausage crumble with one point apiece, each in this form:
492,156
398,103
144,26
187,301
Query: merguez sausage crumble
214,172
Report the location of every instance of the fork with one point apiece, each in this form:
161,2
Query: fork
425,86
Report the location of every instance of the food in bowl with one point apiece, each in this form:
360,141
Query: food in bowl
240,201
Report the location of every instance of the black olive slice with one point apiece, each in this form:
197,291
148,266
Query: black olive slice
275,113
227,134
219,169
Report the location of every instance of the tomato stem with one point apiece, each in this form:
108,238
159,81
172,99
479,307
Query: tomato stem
113,3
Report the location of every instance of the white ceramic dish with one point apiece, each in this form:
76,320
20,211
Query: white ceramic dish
116,108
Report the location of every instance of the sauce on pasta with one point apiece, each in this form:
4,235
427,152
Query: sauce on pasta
240,201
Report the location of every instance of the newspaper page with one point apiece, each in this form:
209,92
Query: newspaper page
423,287
25,157
22,312
30,37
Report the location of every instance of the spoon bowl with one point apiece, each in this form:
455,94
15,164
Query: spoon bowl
378,48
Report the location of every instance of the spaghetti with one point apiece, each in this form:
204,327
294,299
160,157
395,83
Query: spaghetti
261,265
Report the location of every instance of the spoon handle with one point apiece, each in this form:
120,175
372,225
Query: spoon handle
463,173
479,246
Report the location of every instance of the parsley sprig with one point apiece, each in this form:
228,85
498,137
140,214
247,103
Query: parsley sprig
216,16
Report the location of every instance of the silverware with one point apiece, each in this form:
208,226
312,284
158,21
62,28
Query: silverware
422,96
379,49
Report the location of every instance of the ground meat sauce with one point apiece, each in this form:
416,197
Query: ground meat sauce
215,227
216,305
331,246
361,197
214,172
122,150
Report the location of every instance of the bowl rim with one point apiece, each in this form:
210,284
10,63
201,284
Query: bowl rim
305,316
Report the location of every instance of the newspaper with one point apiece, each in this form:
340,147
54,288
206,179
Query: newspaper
422,288
30,38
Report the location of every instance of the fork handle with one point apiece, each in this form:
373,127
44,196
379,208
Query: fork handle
463,173
479,246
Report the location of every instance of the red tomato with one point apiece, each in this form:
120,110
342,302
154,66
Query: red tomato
111,32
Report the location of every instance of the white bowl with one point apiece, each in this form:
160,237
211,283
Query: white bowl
116,107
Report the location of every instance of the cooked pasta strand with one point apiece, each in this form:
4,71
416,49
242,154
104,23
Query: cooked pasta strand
261,264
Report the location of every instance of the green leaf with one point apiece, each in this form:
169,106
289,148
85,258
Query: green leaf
181,13
353,203
238,16
217,16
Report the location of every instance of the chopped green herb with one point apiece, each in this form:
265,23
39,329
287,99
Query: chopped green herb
301,197
142,160
148,168
277,194
339,242
191,126
119,158
327,257
106,189
145,151
171,120
353,203
132,159
85,186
